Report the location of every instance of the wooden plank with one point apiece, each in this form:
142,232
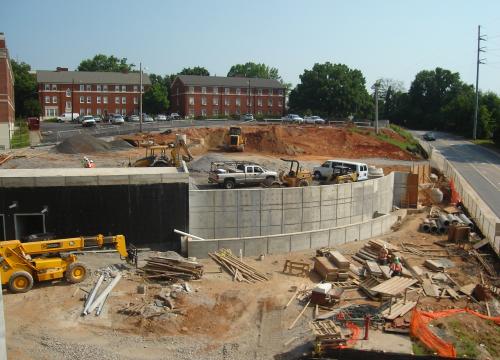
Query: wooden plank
298,316
467,289
452,293
394,286
429,288
338,259
480,244
402,310
373,268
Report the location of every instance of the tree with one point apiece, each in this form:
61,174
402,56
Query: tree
197,70
253,70
102,62
155,99
332,90
25,90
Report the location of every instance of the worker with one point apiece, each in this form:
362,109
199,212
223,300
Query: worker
382,255
396,267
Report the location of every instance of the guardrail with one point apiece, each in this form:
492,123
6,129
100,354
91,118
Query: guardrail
483,216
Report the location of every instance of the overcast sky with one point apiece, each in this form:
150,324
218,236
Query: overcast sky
391,39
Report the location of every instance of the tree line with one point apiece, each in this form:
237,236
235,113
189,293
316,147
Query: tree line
436,99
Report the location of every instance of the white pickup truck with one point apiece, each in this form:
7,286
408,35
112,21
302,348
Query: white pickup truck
325,171
228,174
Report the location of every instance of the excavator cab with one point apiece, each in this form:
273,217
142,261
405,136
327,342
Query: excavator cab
295,176
156,156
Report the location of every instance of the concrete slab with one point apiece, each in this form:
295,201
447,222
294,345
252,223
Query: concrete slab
311,214
343,210
352,233
292,195
256,246
249,197
344,191
272,196
133,179
249,219
101,180
92,181
200,249
225,198
357,208
61,181
292,228
328,224
365,231
328,193
278,244
357,189
377,227
311,226
300,242
320,239
311,194
201,198
344,221
271,230
328,212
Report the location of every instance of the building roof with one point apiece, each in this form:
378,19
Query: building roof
229,81
91,77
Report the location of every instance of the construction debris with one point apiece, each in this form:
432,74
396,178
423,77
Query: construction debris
172,268
296,268
237,268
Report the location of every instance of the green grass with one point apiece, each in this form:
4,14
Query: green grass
487,143
51,120
420,349
409,142
404,133
20,137
466,344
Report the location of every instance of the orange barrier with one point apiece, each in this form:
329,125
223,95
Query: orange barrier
355,330
455,196
420,330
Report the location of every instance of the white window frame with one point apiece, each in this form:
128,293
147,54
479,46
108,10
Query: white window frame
227,102
191,100
89,100
124,88
238,91
238,102
99,111
191,90
215,90
117,110
54,99
68,92
89,87
136,88
136,100
259,92
98,99
191,111
203,112
124,111
82,111
227,91
259,102
68,105
47,99
215,101
82,87
104,99
105,88
215,112
280,92
82,99
117,100
89,111
124,99
203,90
54,87
117,88
47,87
203,100
98,87
269,102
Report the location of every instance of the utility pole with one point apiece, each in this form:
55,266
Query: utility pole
72,101
479,61
140,99
376,87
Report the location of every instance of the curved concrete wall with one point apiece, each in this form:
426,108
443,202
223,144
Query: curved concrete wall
238,213
284,243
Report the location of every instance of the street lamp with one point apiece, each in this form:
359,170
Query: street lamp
376,87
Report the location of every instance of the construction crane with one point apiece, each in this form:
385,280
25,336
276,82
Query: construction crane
23,263
157,156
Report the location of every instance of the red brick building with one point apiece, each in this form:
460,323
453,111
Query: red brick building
89,93
213,96
7,109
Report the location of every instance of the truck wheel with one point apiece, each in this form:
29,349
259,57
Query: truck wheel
229,184
303,183
317,175
20,282
76,272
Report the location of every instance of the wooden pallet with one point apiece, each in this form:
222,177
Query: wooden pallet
296,268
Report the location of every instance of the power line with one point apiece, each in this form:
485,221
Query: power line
478,62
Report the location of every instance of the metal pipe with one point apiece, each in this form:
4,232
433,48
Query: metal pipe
466,220
426,226
434,227
442,228
105,293
187,234
101,305
444,220
92,294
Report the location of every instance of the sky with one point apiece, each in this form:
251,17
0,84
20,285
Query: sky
384,39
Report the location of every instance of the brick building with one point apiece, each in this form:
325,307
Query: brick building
213,96
89,93
7,108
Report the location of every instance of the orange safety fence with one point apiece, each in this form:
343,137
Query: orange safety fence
420,330
355,330
455,196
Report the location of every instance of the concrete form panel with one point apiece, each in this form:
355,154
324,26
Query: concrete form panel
311,194
256,246
271,218
292,195
203,233
235,245
225,219
226,198
271,196
337,237
292,228
249,218
226,232
344,191
377,227
292,216
352,233
278,244
327,224
328,212
311,226
199,198
311,214
328,193
249,197
200,249
300,241
249,231
320,239
365,231
271,230
201,220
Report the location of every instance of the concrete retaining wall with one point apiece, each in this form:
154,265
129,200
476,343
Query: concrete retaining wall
239,213
312,239
482,215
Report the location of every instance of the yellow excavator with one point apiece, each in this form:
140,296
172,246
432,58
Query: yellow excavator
23,263
234,139
157,155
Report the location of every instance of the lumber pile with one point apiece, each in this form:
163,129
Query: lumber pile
237,268
328,271
371,250
166,268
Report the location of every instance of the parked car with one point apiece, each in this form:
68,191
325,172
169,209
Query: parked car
66,117
88,120
161,117
429,136
117,119
98,118
133,118
313,120
247,117
174,116
230,173
293,118
147,118
325,171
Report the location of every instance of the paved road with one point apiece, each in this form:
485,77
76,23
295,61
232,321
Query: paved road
478,165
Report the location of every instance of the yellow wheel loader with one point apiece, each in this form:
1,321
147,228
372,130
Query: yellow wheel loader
234,139
23,263
295,176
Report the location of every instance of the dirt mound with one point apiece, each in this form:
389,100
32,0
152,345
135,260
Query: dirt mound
83,144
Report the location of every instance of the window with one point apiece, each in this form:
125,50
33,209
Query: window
216,90
269,102
259,92
280,103
226,101
227,91
68,92
98,99
280,92
124,111
249,102
99,111
117,88
124,100
203,90
259,102
226,112
82,87
215,101
54,99
203,112
124,88
136,88
68,105
105,99
135,100
117,100
47,87
82,99
82,111
191,111
270,92
215,112
54,87
238,91
98,87
238,102
47,99
191,100
89,87
203,100
50,112
89,100
117,111
89,111
105,88
191,89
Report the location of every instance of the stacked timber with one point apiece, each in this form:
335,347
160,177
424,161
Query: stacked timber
328,271
164,268
370,251
237,268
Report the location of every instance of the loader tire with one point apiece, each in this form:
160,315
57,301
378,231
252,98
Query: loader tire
20,282
303,183
76,272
